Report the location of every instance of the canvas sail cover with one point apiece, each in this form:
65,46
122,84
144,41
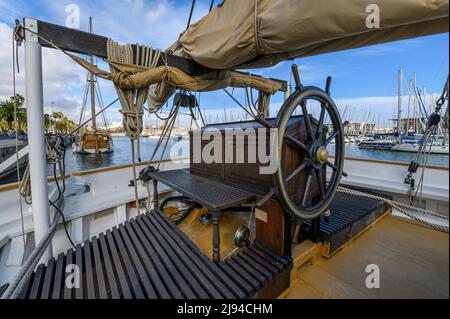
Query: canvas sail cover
261,33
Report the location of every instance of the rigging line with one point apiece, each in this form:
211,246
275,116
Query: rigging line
133,160
62,172
83,105
168,138
190,14
199,109
168,132
438,71
423,109
161,111
14,53
100,102
251,97
17,285
211,5
167,129
237,102
90,119
249,101
161,137
424,166
403,208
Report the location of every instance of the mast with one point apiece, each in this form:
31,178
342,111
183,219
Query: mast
92,89
399,112
408,125
415,103
92,84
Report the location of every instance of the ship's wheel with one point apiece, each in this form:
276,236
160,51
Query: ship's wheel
314,149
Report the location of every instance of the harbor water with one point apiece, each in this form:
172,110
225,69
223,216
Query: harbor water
122,155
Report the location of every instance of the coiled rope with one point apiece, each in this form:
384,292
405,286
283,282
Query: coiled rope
132,100
403,208
54,154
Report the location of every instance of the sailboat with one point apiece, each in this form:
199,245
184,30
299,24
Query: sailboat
412,143
93,140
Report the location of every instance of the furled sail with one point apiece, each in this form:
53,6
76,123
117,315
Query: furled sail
260,33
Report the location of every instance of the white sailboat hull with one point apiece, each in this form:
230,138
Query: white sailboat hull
413,148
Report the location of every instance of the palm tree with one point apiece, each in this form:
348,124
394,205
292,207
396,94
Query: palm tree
64,124
47,122
7,111
58,115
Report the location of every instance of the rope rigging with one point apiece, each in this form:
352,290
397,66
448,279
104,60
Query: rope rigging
16,127
132,100
425,146
403,208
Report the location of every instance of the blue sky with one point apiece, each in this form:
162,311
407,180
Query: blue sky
365,78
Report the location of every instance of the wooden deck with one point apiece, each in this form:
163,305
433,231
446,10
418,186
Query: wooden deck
413,261
149,257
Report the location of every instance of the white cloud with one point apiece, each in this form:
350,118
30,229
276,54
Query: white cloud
61,77
154,15
379,109
156,23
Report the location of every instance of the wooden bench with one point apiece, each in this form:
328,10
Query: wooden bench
149,257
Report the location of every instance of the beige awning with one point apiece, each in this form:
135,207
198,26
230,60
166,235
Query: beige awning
260,33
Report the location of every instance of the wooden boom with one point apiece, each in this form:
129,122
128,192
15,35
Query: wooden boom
77,41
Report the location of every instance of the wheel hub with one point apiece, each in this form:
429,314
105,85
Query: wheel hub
322,154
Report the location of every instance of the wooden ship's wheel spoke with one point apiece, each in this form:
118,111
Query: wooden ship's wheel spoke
297,143
320,183
307,121
319,132
331,138
309,181
296,171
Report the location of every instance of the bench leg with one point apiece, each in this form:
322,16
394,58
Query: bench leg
216,236
155,194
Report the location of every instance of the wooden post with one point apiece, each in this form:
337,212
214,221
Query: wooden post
155,194
216,236
77,41
316,229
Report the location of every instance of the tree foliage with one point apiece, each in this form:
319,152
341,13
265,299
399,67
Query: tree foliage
61,122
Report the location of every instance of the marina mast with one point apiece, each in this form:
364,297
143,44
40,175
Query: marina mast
92,84
92,89
415,102
399,113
